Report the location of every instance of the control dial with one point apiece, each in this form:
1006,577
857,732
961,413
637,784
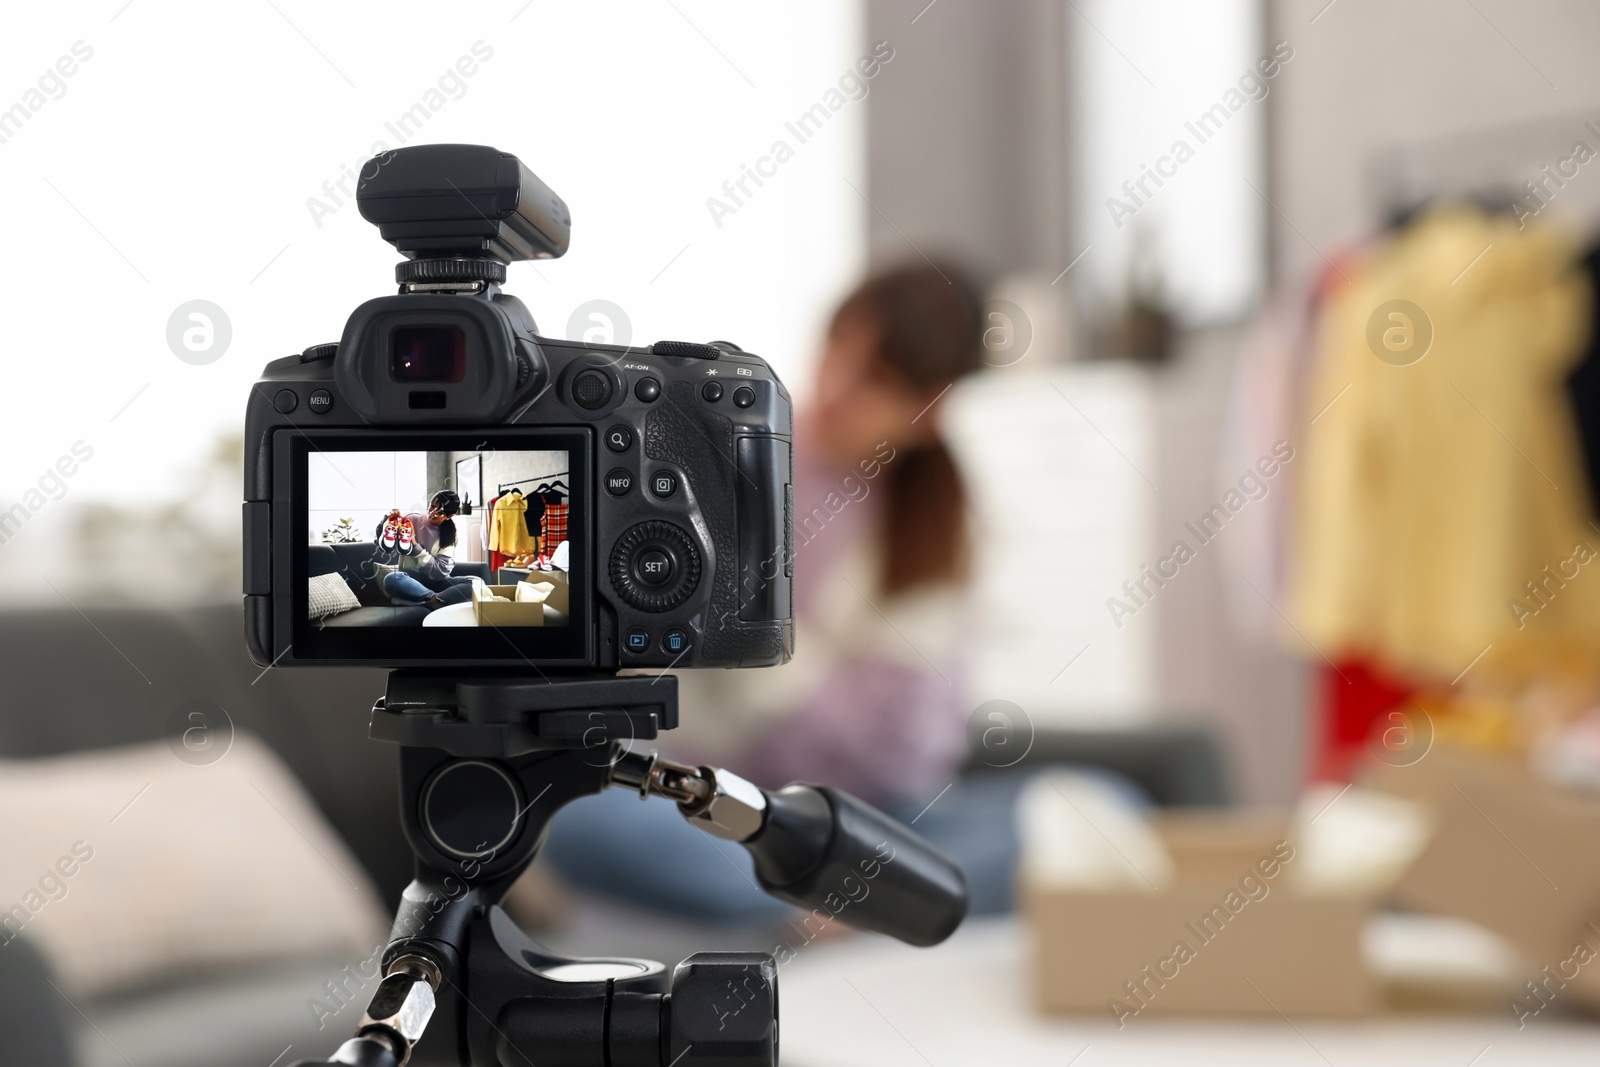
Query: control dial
655,566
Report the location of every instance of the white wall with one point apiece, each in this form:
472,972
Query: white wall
1370,76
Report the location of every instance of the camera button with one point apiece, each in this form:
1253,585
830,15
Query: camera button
619,438
675,642
744,396
285,401
619,482
320,401
711,391
637,640
647,389
653,566
663,484
592,389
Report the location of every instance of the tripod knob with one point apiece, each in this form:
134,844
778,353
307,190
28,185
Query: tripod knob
723,1011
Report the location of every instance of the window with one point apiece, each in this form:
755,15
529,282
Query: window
1168,112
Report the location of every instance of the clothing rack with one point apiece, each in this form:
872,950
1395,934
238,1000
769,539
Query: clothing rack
1488,165
525,481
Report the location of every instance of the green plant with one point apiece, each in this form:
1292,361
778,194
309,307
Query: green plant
342,532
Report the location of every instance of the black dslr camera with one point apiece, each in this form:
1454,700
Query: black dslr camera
665,471
512,521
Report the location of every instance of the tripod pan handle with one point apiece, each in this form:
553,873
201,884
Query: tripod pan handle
825,850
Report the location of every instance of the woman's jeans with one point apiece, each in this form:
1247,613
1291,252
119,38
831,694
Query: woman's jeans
409,587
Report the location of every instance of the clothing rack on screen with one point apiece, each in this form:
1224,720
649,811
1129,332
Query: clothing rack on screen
550,478
522,523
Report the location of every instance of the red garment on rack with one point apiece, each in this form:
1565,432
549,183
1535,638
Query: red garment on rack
1352,696
554,525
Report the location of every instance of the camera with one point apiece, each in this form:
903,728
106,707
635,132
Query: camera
448,493
444,487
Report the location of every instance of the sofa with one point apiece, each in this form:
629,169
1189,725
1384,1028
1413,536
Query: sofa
354,561
112,677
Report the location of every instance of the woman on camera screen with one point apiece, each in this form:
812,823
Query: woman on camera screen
424,548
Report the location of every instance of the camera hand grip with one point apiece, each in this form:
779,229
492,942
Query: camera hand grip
825,850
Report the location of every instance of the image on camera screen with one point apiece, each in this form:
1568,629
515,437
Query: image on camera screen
441,538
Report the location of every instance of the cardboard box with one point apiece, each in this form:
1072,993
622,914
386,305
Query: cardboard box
558,595
509,605
557,598
1211,943
1509,852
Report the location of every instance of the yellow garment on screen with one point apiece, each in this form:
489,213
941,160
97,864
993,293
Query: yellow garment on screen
509,532
1434,492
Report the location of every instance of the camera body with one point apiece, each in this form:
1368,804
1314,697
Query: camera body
661,475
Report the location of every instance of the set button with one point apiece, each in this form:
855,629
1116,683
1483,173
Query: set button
653,566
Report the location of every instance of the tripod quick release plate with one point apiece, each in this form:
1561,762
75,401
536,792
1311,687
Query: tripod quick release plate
512,715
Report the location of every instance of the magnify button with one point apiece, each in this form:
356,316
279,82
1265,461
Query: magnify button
619,438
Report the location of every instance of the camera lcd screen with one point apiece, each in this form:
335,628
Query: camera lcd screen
428,354
435,545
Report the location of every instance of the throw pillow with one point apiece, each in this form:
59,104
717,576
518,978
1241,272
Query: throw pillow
329,594
126,866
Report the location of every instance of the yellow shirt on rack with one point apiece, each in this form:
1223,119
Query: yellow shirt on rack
509,532
1444,513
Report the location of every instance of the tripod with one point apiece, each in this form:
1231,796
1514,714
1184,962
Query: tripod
485,761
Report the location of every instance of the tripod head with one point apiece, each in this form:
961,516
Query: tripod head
486,760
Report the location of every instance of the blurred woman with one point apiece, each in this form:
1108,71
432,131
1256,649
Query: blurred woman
873,700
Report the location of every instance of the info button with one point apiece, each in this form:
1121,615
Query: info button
652,566
619,482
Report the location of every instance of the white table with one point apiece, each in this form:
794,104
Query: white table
871,1002
462,615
